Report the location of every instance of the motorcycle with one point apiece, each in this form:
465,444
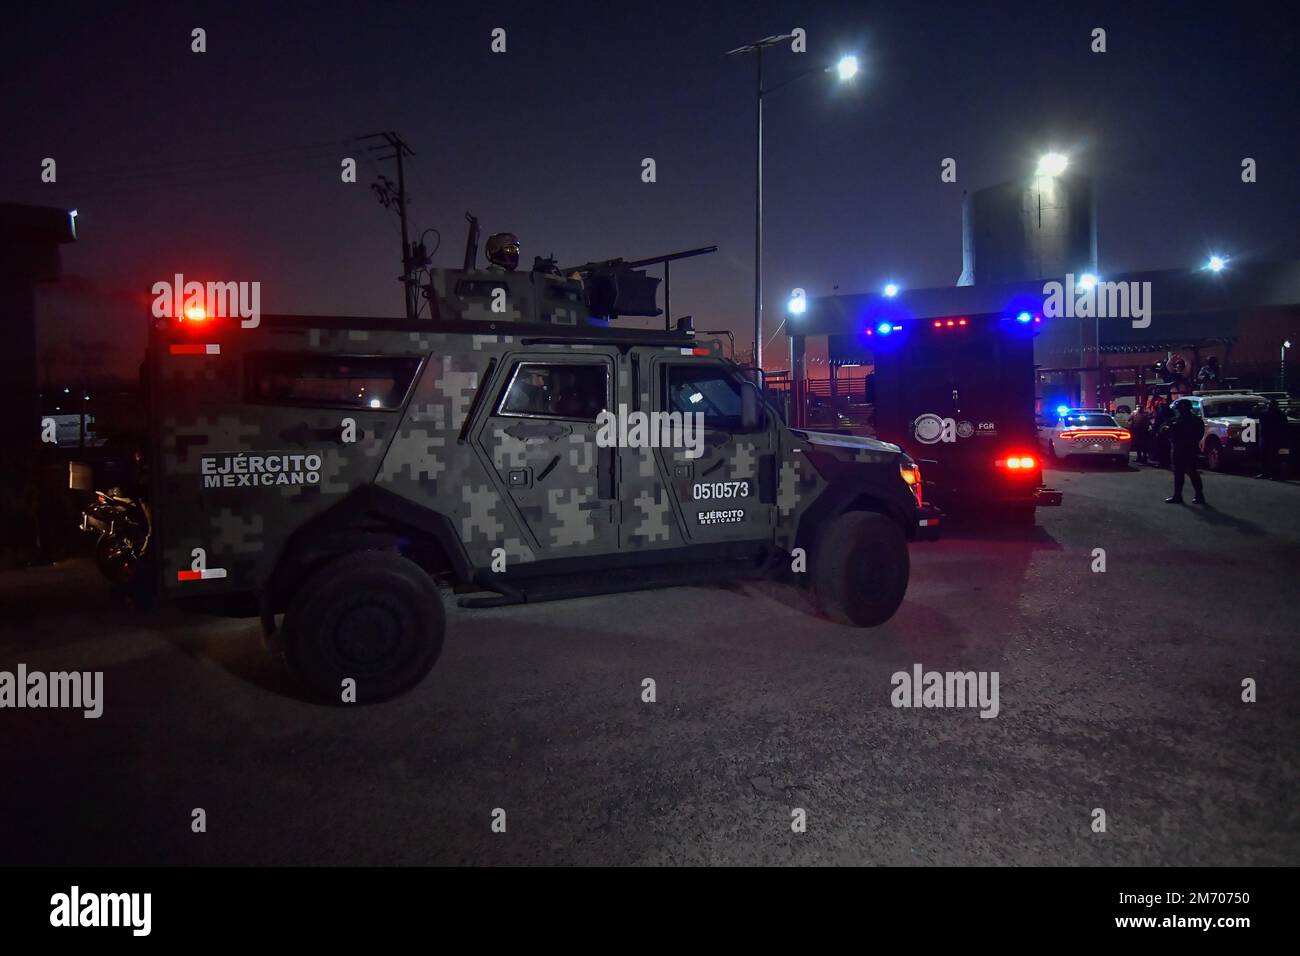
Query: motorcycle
122,523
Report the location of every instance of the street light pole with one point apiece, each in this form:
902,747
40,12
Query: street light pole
847,67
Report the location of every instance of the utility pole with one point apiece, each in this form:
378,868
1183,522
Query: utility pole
847,68
388,197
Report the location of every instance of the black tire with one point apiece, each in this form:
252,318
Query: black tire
372,616
117,560
860,569
1121,461
1214,457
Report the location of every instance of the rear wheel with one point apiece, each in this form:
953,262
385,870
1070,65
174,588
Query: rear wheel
1215,460
860,569
373,617
117,558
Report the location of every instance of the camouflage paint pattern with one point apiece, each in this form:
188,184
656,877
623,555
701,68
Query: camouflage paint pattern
527,486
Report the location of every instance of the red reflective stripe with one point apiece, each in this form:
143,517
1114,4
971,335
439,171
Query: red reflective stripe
207,574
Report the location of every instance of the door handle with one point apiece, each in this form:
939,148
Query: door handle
605,465
767,479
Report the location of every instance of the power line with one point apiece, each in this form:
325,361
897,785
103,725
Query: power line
390,196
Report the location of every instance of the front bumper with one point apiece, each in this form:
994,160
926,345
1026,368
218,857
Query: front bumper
927,523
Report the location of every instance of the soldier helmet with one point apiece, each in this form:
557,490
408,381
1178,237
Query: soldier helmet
503,250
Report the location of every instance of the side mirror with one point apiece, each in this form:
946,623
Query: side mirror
751,409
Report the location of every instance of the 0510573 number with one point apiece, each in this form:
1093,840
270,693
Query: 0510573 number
706,490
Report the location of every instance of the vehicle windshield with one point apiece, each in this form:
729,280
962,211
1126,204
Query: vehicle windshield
1088,420
1229,409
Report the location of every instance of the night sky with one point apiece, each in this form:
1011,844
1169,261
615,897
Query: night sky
225,165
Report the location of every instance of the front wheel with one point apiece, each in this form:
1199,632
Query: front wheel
1214,457
860,569
372,617
117,559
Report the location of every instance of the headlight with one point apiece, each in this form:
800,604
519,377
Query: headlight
911,474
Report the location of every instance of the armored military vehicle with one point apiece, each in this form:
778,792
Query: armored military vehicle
347,472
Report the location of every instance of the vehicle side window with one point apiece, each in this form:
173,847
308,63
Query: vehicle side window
709,390
329,381
568,390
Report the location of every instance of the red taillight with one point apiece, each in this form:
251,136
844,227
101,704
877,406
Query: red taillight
1018,463
1117,433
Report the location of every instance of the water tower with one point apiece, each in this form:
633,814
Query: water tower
1037,228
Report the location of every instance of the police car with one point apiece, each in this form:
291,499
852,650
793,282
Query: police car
1083,433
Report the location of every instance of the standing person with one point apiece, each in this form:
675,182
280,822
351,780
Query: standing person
1272,438
1178,371
1137,426
1208,376
1160,432
1186,429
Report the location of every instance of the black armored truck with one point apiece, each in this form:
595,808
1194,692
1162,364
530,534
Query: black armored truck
337,475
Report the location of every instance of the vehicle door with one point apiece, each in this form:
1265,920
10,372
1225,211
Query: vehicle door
721,477
539,438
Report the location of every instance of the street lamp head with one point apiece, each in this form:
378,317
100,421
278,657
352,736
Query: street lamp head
891,289
798,303
1216,263
1286,344
1087,281
847,68
1052,164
